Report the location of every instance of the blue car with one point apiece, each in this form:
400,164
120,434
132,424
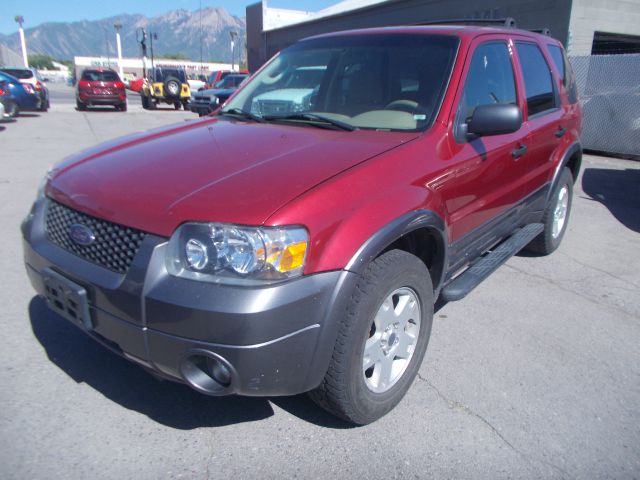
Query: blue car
8,105
25,95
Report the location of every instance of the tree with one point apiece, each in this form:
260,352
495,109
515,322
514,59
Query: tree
40,61
174,56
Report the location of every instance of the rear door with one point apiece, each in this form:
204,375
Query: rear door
543,119
489,178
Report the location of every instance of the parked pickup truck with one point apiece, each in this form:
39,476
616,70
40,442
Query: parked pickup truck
301,246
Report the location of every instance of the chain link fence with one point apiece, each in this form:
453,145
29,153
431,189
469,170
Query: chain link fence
609,88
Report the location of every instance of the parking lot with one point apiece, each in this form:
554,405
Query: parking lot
536,374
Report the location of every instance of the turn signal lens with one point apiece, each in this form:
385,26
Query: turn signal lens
293,257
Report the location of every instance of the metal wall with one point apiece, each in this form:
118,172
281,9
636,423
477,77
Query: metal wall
609,89
529,14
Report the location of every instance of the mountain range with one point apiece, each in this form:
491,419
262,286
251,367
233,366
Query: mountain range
178,32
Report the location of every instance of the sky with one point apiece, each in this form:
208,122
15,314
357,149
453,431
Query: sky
36,12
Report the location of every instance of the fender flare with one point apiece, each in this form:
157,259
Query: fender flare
392,231
572,150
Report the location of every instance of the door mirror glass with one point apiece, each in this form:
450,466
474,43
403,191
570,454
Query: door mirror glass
496,119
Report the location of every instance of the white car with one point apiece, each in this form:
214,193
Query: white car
31,76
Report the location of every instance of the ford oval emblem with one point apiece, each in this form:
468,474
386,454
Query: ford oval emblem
81,234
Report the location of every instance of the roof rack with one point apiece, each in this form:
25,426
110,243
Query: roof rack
543,31
507,22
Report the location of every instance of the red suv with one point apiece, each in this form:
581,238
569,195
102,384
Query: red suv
101,87
297,240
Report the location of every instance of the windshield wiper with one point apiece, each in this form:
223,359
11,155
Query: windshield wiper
238,112
313,118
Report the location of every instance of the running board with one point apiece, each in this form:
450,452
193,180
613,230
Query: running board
460,286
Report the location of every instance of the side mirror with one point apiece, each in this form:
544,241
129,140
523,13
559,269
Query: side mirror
494,119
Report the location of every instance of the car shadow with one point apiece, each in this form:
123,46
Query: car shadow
618,190
107,109
171,404
28,115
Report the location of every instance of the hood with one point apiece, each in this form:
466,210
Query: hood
209,170
215,91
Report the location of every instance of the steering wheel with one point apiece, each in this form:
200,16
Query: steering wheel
408,106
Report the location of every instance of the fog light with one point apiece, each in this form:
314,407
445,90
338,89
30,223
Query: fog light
196,253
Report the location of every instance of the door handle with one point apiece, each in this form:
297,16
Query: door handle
518,152
560,132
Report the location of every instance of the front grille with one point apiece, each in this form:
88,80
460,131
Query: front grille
275,107
114,246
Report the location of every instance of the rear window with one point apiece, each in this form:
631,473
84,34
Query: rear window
97,76
21,73
163,74
537,79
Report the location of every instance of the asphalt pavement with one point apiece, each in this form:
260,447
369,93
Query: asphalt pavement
536,374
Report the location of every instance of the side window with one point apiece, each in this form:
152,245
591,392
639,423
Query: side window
489,80
564,67
538,86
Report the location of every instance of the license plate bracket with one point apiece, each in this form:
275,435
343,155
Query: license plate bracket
67,298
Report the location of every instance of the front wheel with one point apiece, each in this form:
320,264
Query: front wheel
382,340
556,216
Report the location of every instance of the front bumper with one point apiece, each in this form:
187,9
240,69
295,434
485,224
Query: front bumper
273,340
200,108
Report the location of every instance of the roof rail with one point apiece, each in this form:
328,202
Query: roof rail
543,31
507,22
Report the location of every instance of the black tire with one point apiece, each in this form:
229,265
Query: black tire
146,102
344,391
80,106
11,109
177,105
548,241
172,87
122,107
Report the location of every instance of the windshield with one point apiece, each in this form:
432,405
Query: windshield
230,81
382,81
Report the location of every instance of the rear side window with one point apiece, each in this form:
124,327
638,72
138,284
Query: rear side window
489,80
564,67
96,76
537,79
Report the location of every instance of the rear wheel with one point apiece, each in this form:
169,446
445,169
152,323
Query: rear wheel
177,105
122,107
11,109
80,106
382,340
556,216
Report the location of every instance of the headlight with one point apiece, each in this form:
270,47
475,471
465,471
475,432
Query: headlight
216,252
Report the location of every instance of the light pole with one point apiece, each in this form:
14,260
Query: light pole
141,36
25,59
233,36
152,37
118,26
